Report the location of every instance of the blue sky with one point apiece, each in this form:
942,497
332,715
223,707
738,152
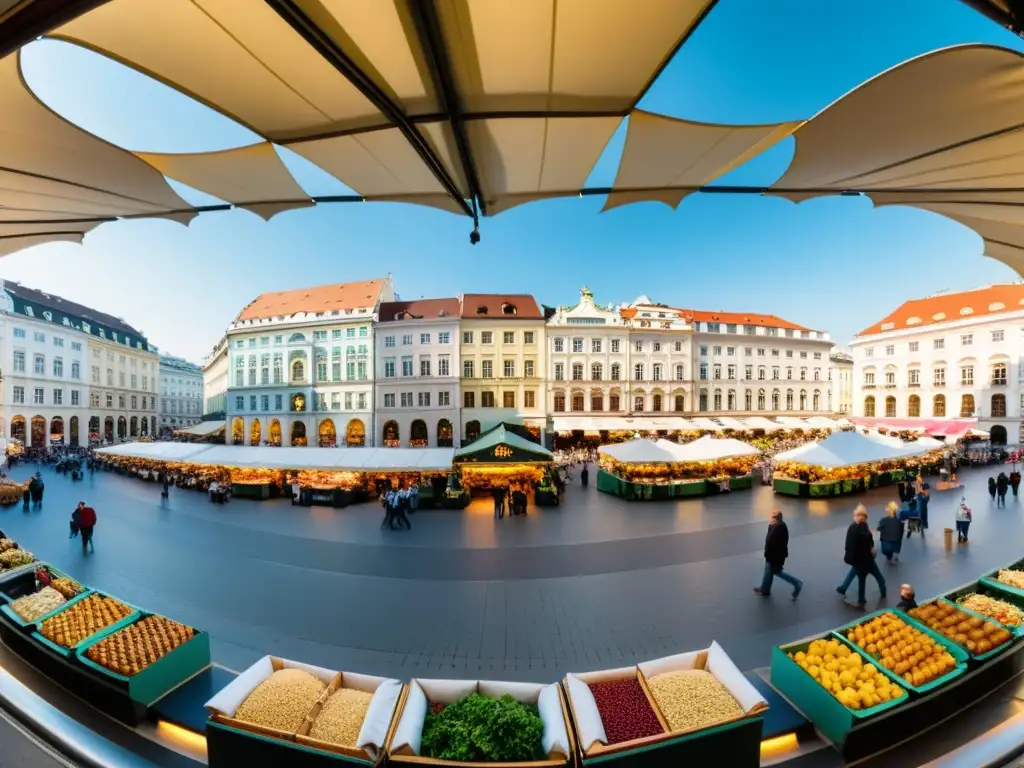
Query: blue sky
833,263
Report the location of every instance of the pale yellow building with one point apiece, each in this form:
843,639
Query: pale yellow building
123,373
502,356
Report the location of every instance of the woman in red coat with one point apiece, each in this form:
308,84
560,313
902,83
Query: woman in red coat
86,523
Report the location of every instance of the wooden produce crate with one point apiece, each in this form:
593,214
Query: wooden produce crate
153,682
954,650
403,746
231,742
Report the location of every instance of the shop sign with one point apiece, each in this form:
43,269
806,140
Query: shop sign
503,452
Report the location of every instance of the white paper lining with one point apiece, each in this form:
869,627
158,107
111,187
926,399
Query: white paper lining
227,701
588,719
374,732
410,728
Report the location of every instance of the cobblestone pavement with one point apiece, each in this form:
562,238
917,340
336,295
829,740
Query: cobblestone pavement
597,583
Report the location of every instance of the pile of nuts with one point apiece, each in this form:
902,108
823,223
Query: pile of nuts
282,701
32,607
341,718
67,587
134,648
15,558
625,710
83,619
6,544
692,699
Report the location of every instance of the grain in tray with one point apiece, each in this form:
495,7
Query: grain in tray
145,642
282,701
341,719
692,699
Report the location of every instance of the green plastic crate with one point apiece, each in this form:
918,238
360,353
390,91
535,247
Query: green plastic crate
152,683
67,653
1016,632
989,580
958,653
984,589
789,487
833,719
15,619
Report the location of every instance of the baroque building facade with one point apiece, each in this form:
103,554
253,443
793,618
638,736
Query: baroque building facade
72,375
301,366
181,394
948,355
215,381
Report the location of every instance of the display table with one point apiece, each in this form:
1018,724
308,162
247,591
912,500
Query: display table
546,497
634,491
455,499
259,491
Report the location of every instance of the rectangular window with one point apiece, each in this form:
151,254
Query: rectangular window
444,398
19,333
19,393
120,379
508,337
335,401
966,339
638,372
615,345
265,403
406,399
967,376
997,335
639,346
528,369
486,337
508,399
938,344
999,374
350,371
657,346
529,399
19,362
135,381
424,338
361,371
716,350
317,336
38,398
41,338
252,402
730,351
424,366
239,403
467,337
424,399
559,345
467,369
595,346
407,366
559,371
914,346
890,349
406,339
335,334
75,397
389,341
443,366
577,345
939,377
487,399
915,377
487,367
348,401
39,365
278,402
509,369
527,337
389,400
350,333
362,332
444,337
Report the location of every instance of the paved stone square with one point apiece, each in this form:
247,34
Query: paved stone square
598,582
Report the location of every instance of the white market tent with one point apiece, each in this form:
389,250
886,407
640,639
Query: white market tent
710,448
643,451
760,422
821,421
203,428
845,449
338,459
728,422
703,422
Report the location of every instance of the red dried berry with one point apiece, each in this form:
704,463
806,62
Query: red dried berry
625,710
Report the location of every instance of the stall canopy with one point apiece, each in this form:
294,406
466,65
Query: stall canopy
709,448
643,451
760,422
499,445
844,449
955,428
202,429
267,457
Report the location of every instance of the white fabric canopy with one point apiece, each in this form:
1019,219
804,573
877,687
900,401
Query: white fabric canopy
643,451
703,422
267,457
203,428
845,449
709,448
760,422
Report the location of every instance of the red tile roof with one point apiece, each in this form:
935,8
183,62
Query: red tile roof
494,305
948,307
741,318
427,309
322,298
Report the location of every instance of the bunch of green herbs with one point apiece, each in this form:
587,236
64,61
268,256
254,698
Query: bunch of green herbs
482,729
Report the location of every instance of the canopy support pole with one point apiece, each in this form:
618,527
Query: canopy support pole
297,19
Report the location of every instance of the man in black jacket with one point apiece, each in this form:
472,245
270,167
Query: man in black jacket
776,550
860,556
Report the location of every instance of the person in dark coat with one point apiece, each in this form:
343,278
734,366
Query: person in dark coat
86,524
992,488
1014,482
584,476
923,499
908,601
890,533
76,520
776,550
1002,484
37,490
26,495
860,556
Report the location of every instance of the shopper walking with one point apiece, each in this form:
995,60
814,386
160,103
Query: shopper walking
992,488
1014,482
923,499
76,520
963,520
86,525
401,507
26,495
1002,484
37,488
890,533
860,556
584,476
499,502
776,550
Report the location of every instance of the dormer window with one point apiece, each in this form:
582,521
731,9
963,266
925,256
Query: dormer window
966,311
481,310
508,309
443,313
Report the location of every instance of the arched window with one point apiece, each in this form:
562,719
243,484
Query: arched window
657,403
298,371
789,399
296,338
803,399
679,403
890,406
939,405
914,406
559,402
613,401
703,400
596,372
444,434
817,400
998,406
418,434
76,370
869,406
391,438
966,406
760,399
761,373
577,401
748,400
596,400
776,396
577,371
718,400
730,400
616,371
638,403
255,432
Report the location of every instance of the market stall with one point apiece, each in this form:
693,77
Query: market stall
501,459
204,431
848,462
645,470
649,714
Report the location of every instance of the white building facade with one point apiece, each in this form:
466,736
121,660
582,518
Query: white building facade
950,355
181,394
417,365
53,386
301,366
215,381
841,377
